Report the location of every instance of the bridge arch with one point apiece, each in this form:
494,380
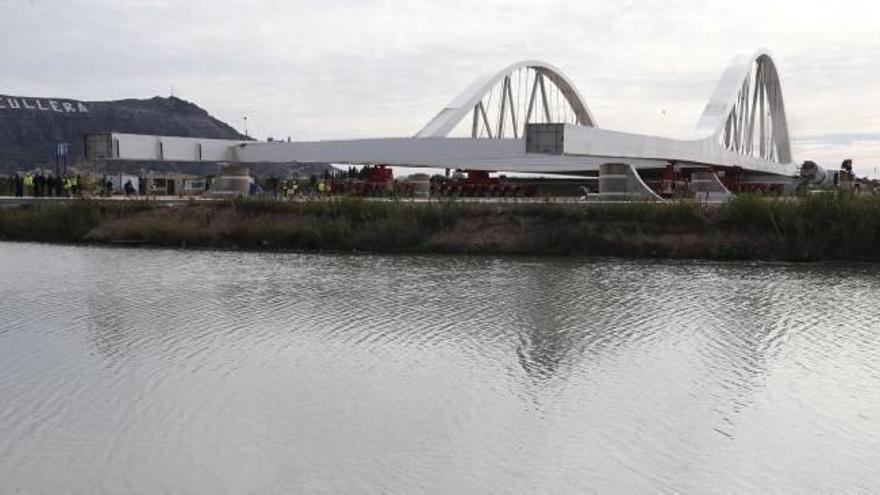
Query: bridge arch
535,102
746,113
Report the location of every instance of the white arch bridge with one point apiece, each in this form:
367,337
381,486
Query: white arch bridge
530,117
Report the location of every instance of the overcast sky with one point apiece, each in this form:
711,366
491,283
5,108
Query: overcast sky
362,68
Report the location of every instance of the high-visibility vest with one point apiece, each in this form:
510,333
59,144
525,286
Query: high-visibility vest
68,183
28,180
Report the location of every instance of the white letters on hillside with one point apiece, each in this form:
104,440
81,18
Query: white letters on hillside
41,105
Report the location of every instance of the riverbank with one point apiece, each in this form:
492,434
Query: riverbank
820,227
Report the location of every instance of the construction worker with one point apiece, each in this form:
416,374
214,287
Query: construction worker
68,186
28,184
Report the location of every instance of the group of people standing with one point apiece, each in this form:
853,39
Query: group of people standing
43,185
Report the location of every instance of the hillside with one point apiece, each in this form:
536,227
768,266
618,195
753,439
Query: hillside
30,128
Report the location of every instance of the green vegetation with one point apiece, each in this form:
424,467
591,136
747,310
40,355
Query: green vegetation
62,222
832,226
838,225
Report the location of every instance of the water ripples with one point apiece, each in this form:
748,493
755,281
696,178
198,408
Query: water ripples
151,370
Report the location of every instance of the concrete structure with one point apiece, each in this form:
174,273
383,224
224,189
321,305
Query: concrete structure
235,180
529,117
706,186
622,181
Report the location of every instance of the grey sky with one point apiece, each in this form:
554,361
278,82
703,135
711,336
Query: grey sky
321,69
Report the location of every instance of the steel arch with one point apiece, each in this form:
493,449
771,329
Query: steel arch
732,109
445,121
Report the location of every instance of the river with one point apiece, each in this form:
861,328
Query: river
144,371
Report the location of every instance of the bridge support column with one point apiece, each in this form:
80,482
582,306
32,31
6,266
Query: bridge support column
621,182
234,180
706,185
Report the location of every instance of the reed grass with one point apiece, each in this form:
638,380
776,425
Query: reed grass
832,226
62,222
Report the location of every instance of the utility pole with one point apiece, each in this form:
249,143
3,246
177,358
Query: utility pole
62,150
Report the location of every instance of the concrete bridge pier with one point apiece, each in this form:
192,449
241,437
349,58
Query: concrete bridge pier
234,180
706,186
621,182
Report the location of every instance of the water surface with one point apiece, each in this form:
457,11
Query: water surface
142,371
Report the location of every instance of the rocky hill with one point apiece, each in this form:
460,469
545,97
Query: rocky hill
31,128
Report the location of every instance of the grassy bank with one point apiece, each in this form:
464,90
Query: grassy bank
822,227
